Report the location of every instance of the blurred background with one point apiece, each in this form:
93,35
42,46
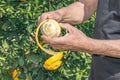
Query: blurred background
20,57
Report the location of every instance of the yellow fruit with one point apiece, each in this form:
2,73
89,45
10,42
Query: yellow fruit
54,58
53,66
50,28
14,74
53,62
16,78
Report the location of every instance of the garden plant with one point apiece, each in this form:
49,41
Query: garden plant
21,58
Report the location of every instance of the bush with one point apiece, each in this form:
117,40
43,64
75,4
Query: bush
19,52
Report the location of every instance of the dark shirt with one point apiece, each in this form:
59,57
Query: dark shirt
107,27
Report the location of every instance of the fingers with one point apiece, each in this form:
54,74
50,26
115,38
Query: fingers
52,15
50,40
46,39
42,17
56,43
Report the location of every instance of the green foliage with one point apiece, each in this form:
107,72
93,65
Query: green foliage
18,50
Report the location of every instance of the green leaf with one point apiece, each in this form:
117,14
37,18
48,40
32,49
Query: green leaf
2,58
34,58
21,61
29,28
5,44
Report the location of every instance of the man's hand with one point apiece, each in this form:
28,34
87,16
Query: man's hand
73,14
57,15
74,40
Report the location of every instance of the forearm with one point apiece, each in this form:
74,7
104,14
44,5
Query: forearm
77,12
73,13
104,47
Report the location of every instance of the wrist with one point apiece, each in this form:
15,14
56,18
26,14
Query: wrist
89,45
94,46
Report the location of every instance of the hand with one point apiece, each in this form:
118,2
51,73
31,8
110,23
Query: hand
57,15
74,40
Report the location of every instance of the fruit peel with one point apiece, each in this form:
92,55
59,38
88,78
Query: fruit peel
53,62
